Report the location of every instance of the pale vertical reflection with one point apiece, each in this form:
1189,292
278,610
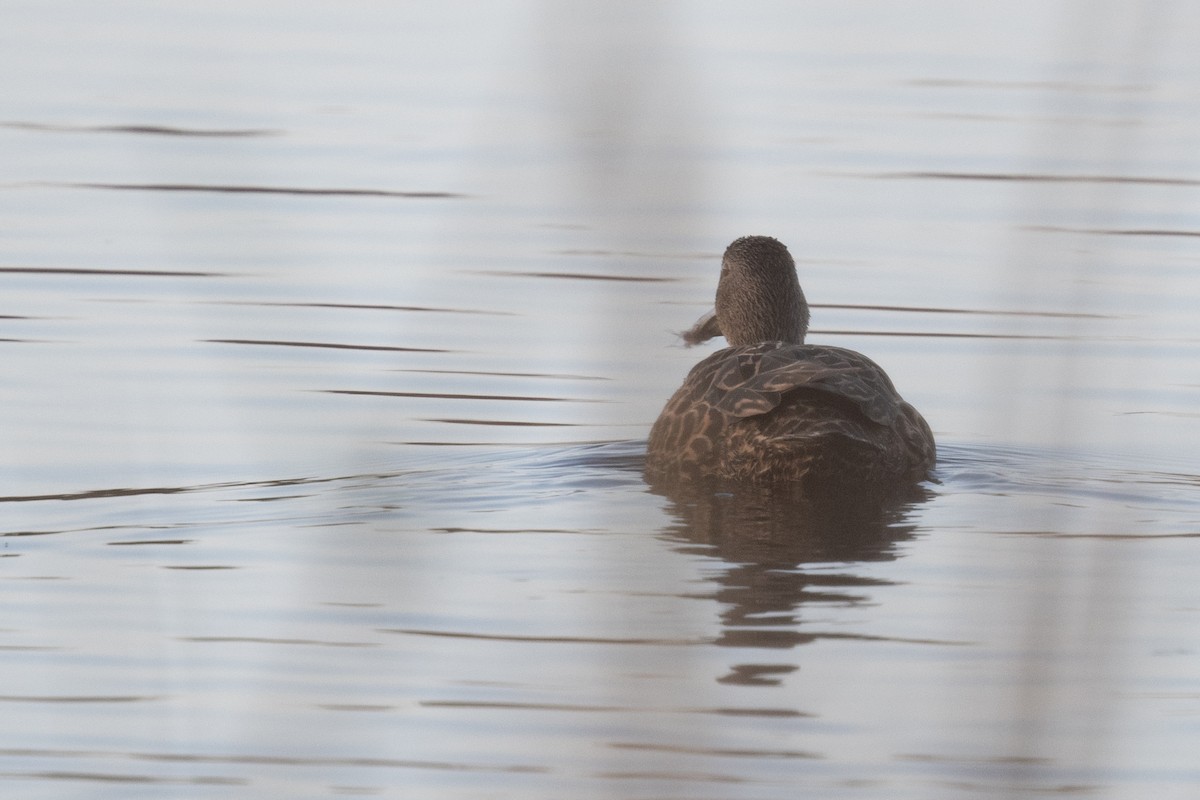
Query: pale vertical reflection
1095,124
624,102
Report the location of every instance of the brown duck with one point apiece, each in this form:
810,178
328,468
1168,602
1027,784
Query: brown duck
771,408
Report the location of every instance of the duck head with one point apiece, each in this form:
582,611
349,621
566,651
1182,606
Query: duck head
758,297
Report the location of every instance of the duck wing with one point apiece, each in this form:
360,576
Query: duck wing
754,380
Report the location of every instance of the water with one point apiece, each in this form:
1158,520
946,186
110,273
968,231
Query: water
333,336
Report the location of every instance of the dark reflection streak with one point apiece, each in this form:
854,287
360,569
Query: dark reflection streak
766,632
364,307
1137,232
447,396
576,276
707,751
93,494
972,311
1113,122
1122,537
329,345
274,499
948,335
1061,86
663,775
522,707
522,531
842,580
551,375
202,567
269,760
1112,231
639,254
196,187
510,445
862,637
758,674
301,761
973,761
27,648
17,698
502,422
1183,414
155,130
36,533
150,541
266,640
479,444
726,712
141,273
89,495
1039,178
492,637
981,312
100,777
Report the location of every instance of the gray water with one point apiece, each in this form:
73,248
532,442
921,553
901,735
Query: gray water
333,335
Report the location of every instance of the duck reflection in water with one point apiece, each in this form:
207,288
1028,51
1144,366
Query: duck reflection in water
765,538
776,453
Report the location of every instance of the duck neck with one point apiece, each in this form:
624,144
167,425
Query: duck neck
762,311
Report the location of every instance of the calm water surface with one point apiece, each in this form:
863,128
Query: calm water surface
333,336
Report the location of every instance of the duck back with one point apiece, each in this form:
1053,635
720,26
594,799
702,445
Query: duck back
776,411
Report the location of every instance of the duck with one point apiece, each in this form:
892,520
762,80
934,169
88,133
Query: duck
771,409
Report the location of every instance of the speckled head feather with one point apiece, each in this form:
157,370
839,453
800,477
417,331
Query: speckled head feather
759,297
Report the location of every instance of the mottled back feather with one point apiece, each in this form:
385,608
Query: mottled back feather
754,379
778,411
772,408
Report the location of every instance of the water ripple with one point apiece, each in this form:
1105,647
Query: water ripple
1143,180
249,189
141,273
328,345
151,130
